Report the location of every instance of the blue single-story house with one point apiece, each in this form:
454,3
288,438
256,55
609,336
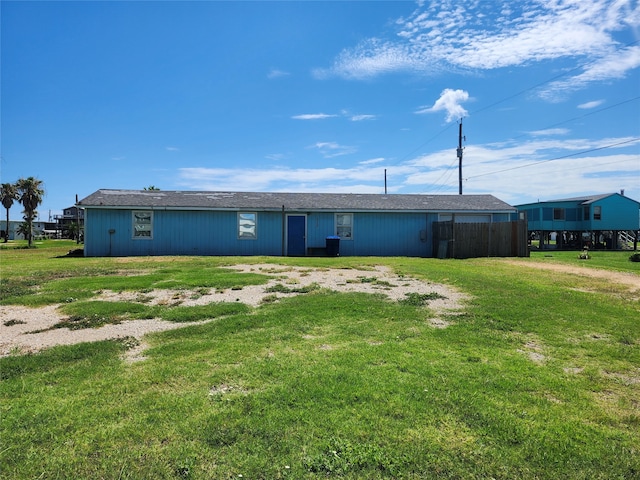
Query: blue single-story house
157,222
605,220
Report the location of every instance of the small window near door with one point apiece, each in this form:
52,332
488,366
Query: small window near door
247,226
142,224
597,213
344,225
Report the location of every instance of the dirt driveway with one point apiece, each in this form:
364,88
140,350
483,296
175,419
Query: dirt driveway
631,280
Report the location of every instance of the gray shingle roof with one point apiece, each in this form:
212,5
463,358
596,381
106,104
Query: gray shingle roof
585,200
189,200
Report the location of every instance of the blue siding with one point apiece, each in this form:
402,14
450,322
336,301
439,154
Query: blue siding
617,213
319,226
180,233
374,233
388,234
187,232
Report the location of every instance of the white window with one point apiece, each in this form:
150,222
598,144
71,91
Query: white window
143,224
247,226
344,225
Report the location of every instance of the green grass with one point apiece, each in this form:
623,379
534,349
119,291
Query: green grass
618,260
538,378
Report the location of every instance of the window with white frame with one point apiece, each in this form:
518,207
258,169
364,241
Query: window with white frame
247,225
344,225
142,224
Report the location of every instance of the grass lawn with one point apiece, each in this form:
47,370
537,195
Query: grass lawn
539,378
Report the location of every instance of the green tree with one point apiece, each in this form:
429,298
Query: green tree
24,229
8,193
74,231
151,187
30,195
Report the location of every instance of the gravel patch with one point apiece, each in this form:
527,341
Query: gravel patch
17,323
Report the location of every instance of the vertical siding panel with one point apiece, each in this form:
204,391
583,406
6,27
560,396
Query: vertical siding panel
395,234
193,232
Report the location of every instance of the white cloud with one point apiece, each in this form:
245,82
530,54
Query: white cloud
521,172
359,118
361,179
276,73
276,157
607,68
371,161
313,116
333,149
372,58
550,131
450,101
343,113
516,172
592,104
448,35
172,149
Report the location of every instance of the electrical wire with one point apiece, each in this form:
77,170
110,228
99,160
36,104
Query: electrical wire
556,158
528,89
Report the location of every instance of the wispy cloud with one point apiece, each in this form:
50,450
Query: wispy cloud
360,118
277,73
313,116
540,168
371,58
172,149
333,149
616,65
448,35
276,157
592,104
550,131
343,113
517,172
361,179
450,101
372,161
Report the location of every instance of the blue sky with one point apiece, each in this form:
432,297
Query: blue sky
322,97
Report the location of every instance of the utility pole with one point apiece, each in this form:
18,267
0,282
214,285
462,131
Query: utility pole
460,159
385,181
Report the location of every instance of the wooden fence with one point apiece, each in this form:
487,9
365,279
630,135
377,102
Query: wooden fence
471,240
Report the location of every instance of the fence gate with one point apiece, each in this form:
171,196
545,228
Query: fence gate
471,240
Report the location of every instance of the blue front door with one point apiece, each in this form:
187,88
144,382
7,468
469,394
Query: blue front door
296,235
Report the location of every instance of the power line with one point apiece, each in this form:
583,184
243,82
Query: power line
520,93
585,115
556,158
533,87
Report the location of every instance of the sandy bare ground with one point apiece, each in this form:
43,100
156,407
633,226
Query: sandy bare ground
19,337
630,280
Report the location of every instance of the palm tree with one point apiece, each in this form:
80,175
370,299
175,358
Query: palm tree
74,231
24,229
30,196
8,193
